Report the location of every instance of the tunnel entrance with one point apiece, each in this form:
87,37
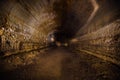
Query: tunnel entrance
58,38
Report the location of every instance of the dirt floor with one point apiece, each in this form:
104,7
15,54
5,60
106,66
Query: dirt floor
57,64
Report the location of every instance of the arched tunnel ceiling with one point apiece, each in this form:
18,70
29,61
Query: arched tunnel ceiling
35,19
32,19
70,17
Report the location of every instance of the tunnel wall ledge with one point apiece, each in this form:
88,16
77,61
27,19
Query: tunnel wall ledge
104,41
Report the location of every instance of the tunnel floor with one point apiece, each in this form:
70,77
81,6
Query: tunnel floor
62,64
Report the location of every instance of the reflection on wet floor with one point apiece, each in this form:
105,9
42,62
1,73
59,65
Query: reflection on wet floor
58,64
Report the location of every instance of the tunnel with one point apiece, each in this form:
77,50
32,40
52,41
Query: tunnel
59,39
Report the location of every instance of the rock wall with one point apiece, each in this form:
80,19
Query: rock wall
25,24
105,41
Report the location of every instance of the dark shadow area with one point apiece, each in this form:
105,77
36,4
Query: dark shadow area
72,17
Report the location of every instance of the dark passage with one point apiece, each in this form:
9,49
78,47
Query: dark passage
59,39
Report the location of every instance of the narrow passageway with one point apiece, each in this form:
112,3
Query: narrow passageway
59,39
